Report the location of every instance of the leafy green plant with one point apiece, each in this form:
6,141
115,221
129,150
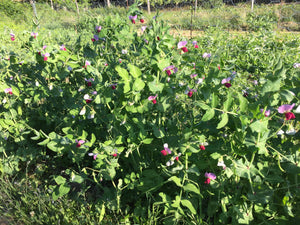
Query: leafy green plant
140,123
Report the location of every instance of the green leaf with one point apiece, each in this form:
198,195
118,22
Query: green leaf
76,178
54,146
271,86
122,73
134,71
155,86
60,180
208,115
189,205
224,121
138,85
147,141
191,188
203,105
227,103
259,126
214,100
163,63
158,132
243,103
64,189
176,180
44,142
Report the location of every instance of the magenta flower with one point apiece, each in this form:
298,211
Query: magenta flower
89,81
87,63
115,154
267,112
209,176
12,36
181,44
94,155
153,99
195,44
226,81
190,92
87,98
44,47
289,116
193,75
63,48
206,55
166,150
168,69
34,35
133,18
98,28
285,108
145,40
8,90
79,143
46,55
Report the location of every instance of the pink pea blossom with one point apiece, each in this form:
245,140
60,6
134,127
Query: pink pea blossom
285,108
98,28
267,112
8,90
181,44
12,36
193,75
133,18
89,81
44,47
46,55
153,99
195,44
94,155
222,164
209,176
206,55
296,65
169,69
87,63
226,80
87,98
143,28
63,48
79,143
146,41
34,35
166,150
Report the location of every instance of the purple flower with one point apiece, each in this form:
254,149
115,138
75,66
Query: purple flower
8,91
153,99
226,80
181,44
206,55
211,176
98,28
94,155
193,75
96,37
267,112
166,150
285,108
296,65
63,48
143,28
87,63
34,35
79,143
